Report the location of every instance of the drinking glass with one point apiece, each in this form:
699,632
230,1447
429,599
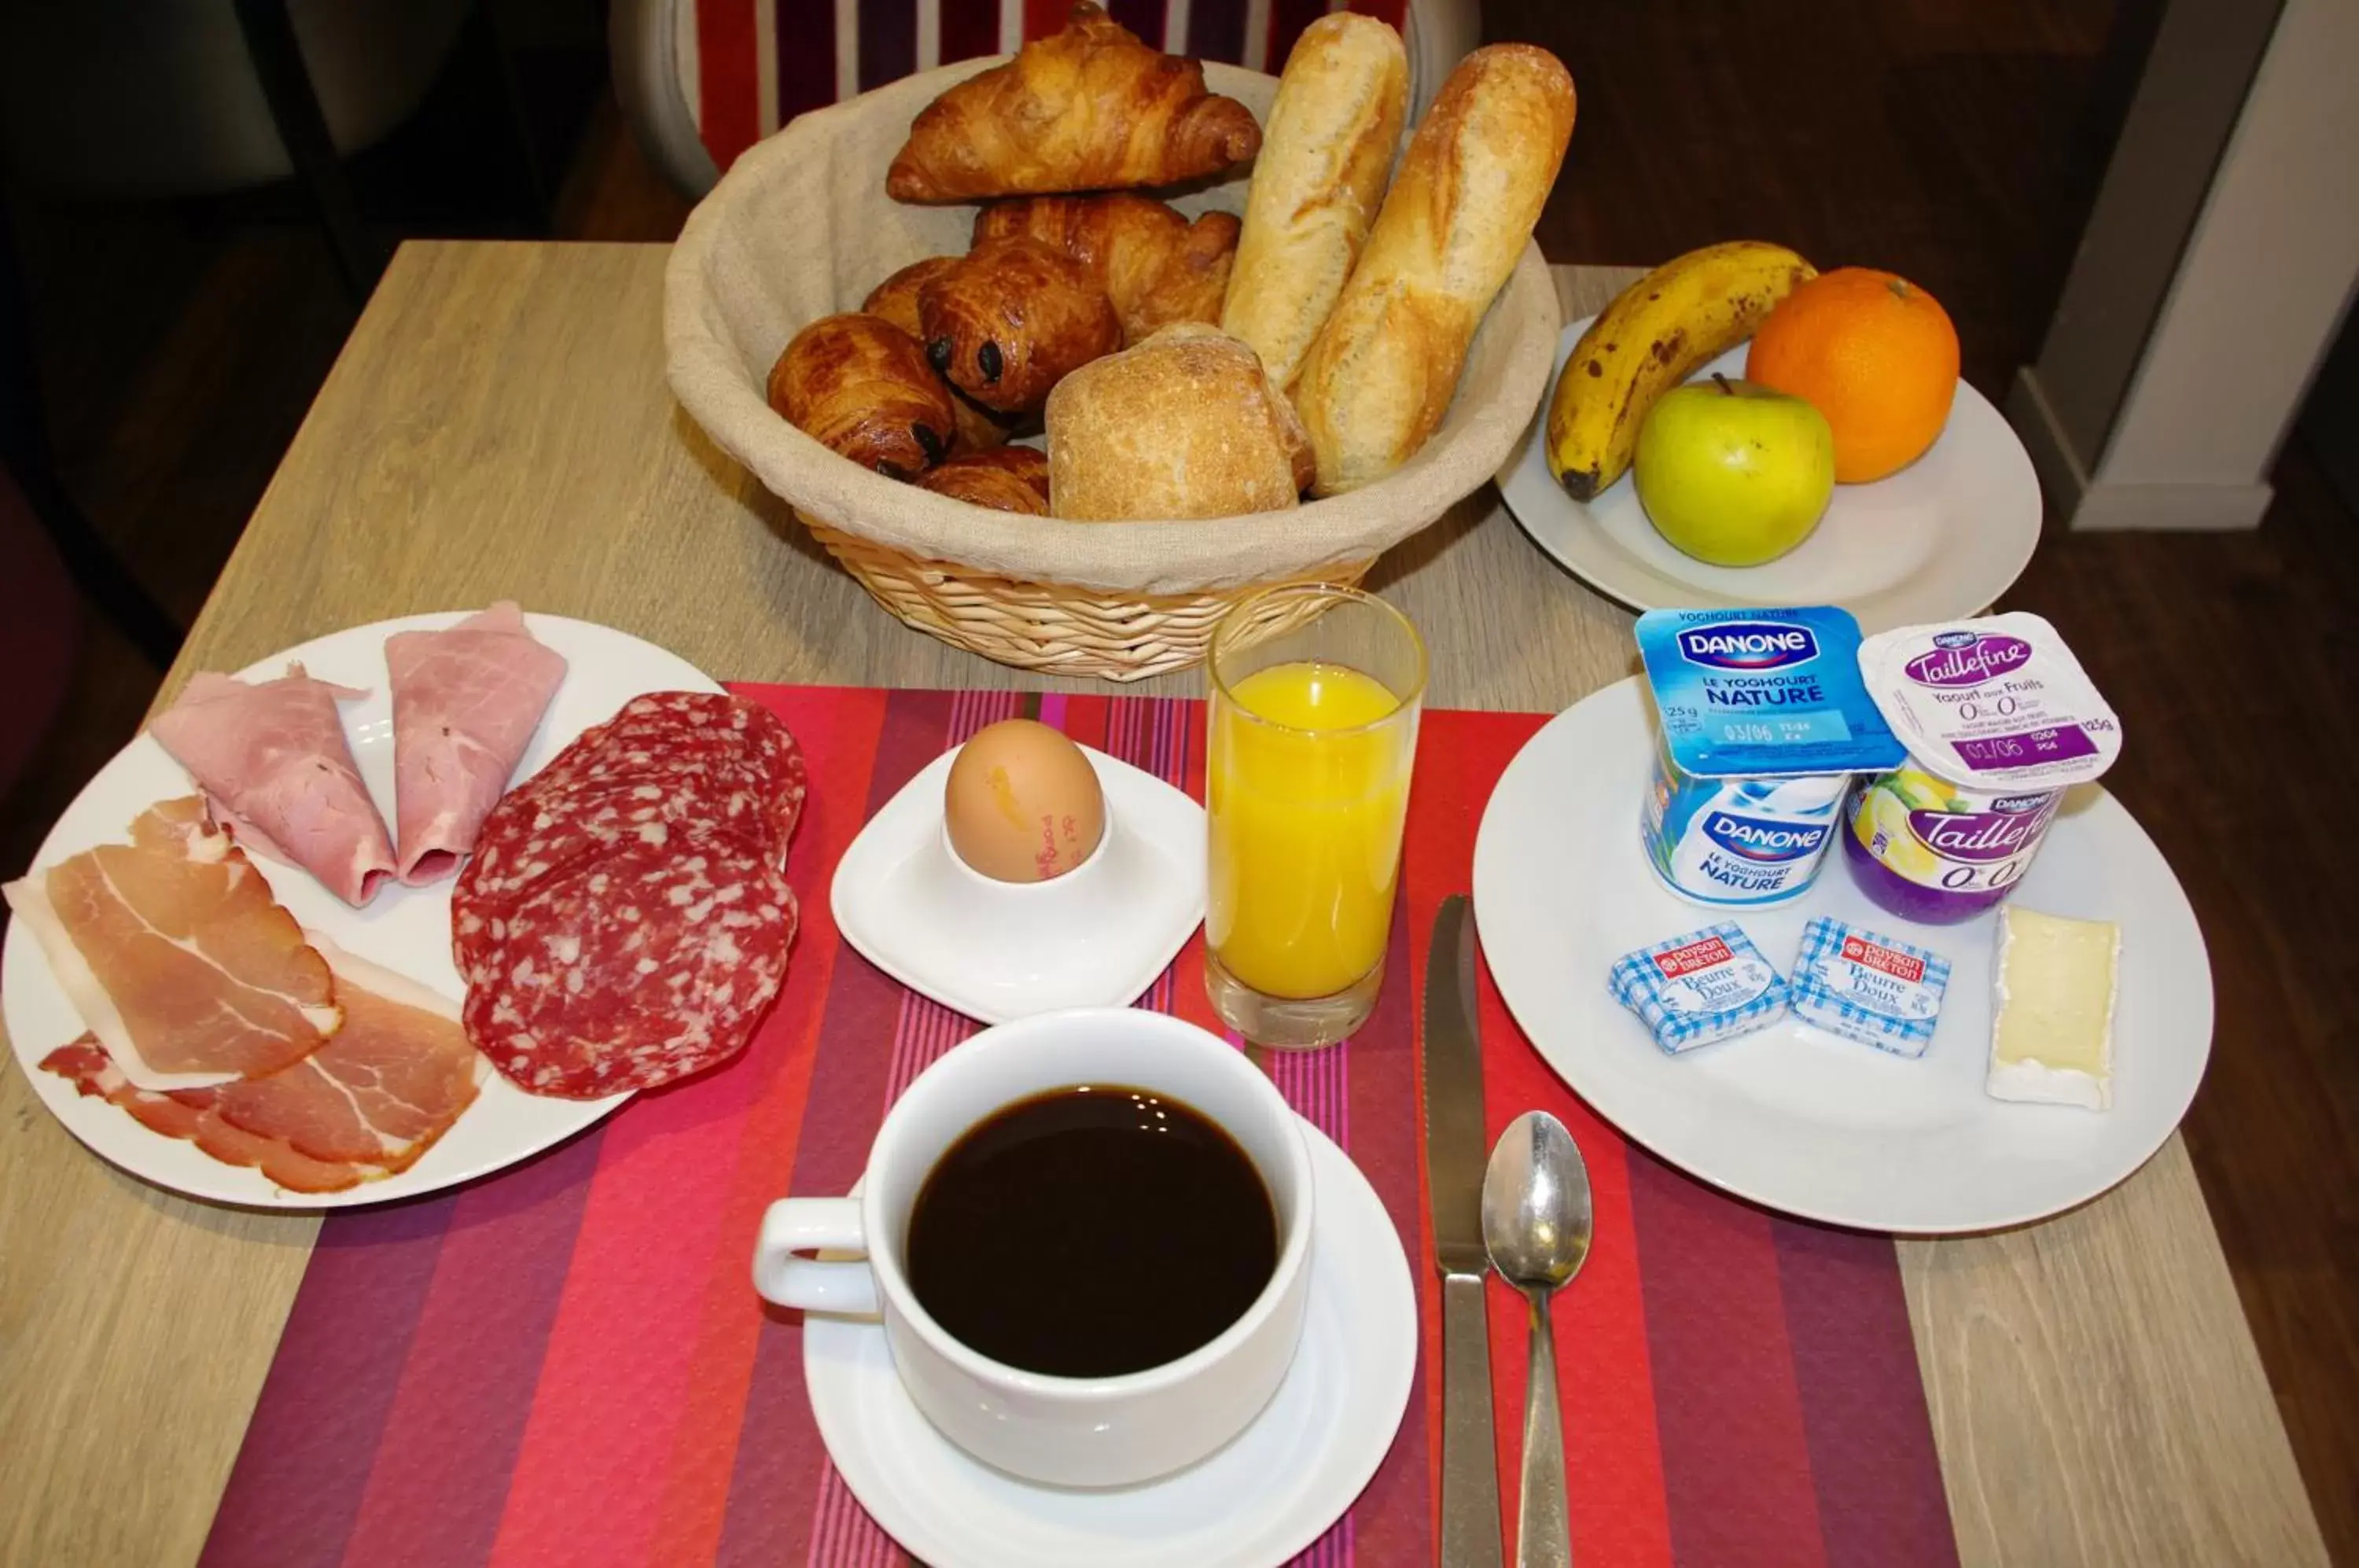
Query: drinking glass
1316,691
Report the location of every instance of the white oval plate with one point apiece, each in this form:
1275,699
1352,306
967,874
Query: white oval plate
1271,1492
1792,1118
1943,538
405,929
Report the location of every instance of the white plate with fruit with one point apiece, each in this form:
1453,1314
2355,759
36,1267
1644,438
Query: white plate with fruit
1940,538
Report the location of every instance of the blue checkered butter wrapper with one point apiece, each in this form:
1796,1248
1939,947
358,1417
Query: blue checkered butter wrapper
1707,985
1866,986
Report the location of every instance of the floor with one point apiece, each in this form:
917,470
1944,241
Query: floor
1956,144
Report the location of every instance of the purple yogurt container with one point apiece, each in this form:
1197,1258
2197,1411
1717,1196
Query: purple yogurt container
2000,720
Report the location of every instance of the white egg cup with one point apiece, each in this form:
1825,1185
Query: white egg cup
1096,936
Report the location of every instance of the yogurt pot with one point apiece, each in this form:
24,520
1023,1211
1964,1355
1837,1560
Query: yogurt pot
1764,720
1999,720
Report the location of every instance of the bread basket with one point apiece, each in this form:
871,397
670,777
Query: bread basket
802,226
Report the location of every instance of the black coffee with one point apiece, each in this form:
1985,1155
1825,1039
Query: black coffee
1091,1232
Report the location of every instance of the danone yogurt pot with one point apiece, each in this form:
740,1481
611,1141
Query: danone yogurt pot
2000,720
1765,721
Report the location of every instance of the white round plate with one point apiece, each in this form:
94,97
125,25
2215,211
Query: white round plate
1943,538
1792,1118
405,929
1258,1501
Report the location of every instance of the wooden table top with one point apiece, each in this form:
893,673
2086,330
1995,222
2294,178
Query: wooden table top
499,427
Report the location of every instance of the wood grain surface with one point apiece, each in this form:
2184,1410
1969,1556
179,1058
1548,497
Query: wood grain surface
498,427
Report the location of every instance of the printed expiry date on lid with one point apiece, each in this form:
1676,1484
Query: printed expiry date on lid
1707,985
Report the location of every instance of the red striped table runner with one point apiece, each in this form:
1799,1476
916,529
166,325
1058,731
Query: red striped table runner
566,1363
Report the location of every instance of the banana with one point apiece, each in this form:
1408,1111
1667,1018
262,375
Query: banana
1656,333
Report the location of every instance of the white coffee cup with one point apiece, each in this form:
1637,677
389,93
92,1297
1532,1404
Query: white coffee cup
1067,1432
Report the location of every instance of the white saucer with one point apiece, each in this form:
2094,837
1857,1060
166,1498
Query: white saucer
1791,1117
1940,539
1096,937
1264,1497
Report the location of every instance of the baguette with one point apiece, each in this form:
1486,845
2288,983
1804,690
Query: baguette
1324,159
1380,375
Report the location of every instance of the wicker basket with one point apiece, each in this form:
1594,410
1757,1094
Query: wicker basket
802,226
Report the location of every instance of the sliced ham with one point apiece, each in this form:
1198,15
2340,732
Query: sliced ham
364,1107
176,955
465,702
273,760
193,1114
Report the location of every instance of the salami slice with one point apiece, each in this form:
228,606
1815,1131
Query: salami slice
623,920
633,969
703,724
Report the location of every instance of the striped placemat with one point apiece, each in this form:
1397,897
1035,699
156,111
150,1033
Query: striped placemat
566,1363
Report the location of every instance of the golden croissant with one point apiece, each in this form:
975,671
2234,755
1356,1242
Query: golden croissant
1156,266
861,386
1089,109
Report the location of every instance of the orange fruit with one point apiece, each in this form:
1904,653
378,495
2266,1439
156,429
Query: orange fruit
1875,354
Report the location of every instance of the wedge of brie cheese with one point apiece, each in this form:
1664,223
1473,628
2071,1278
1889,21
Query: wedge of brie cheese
2052,1021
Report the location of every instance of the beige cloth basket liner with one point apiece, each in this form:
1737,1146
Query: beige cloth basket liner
802,226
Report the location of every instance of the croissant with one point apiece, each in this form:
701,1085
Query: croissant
1155,265
895,299
860,385
1006,479
1089,109
1010,319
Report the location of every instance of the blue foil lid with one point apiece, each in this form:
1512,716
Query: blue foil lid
1764,693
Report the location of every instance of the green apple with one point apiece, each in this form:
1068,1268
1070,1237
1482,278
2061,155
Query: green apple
1734,473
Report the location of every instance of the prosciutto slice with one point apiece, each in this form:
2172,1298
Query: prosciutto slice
272,759
176,955
465,702
364,1107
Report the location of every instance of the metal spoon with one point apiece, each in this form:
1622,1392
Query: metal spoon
1536,1224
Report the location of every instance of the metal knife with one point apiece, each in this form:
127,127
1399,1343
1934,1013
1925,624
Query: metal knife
1455,1154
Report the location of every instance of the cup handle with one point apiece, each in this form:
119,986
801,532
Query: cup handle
792,1225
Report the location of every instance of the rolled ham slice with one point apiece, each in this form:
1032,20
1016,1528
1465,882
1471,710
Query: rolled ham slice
273,760
174,953
465,702
364,1107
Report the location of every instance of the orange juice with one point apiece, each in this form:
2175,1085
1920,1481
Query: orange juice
1306,793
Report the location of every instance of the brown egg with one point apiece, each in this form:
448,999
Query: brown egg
1023,803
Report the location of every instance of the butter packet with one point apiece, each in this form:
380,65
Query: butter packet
1868,988
1707,985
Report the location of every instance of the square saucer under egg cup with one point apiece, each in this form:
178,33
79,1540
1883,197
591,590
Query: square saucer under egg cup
1096,936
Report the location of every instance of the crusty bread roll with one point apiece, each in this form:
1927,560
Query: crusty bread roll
1185,425
1380,376
1324,159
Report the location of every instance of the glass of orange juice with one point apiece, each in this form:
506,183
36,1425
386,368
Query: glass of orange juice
1315,695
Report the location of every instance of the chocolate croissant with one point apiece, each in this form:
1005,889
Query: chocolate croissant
1006,479
860,385
1089,109
895,299
1011,319
1156,266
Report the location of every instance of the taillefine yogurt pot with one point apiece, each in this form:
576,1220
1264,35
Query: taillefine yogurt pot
2000,720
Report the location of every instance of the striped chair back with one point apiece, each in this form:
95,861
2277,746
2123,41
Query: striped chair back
747,67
